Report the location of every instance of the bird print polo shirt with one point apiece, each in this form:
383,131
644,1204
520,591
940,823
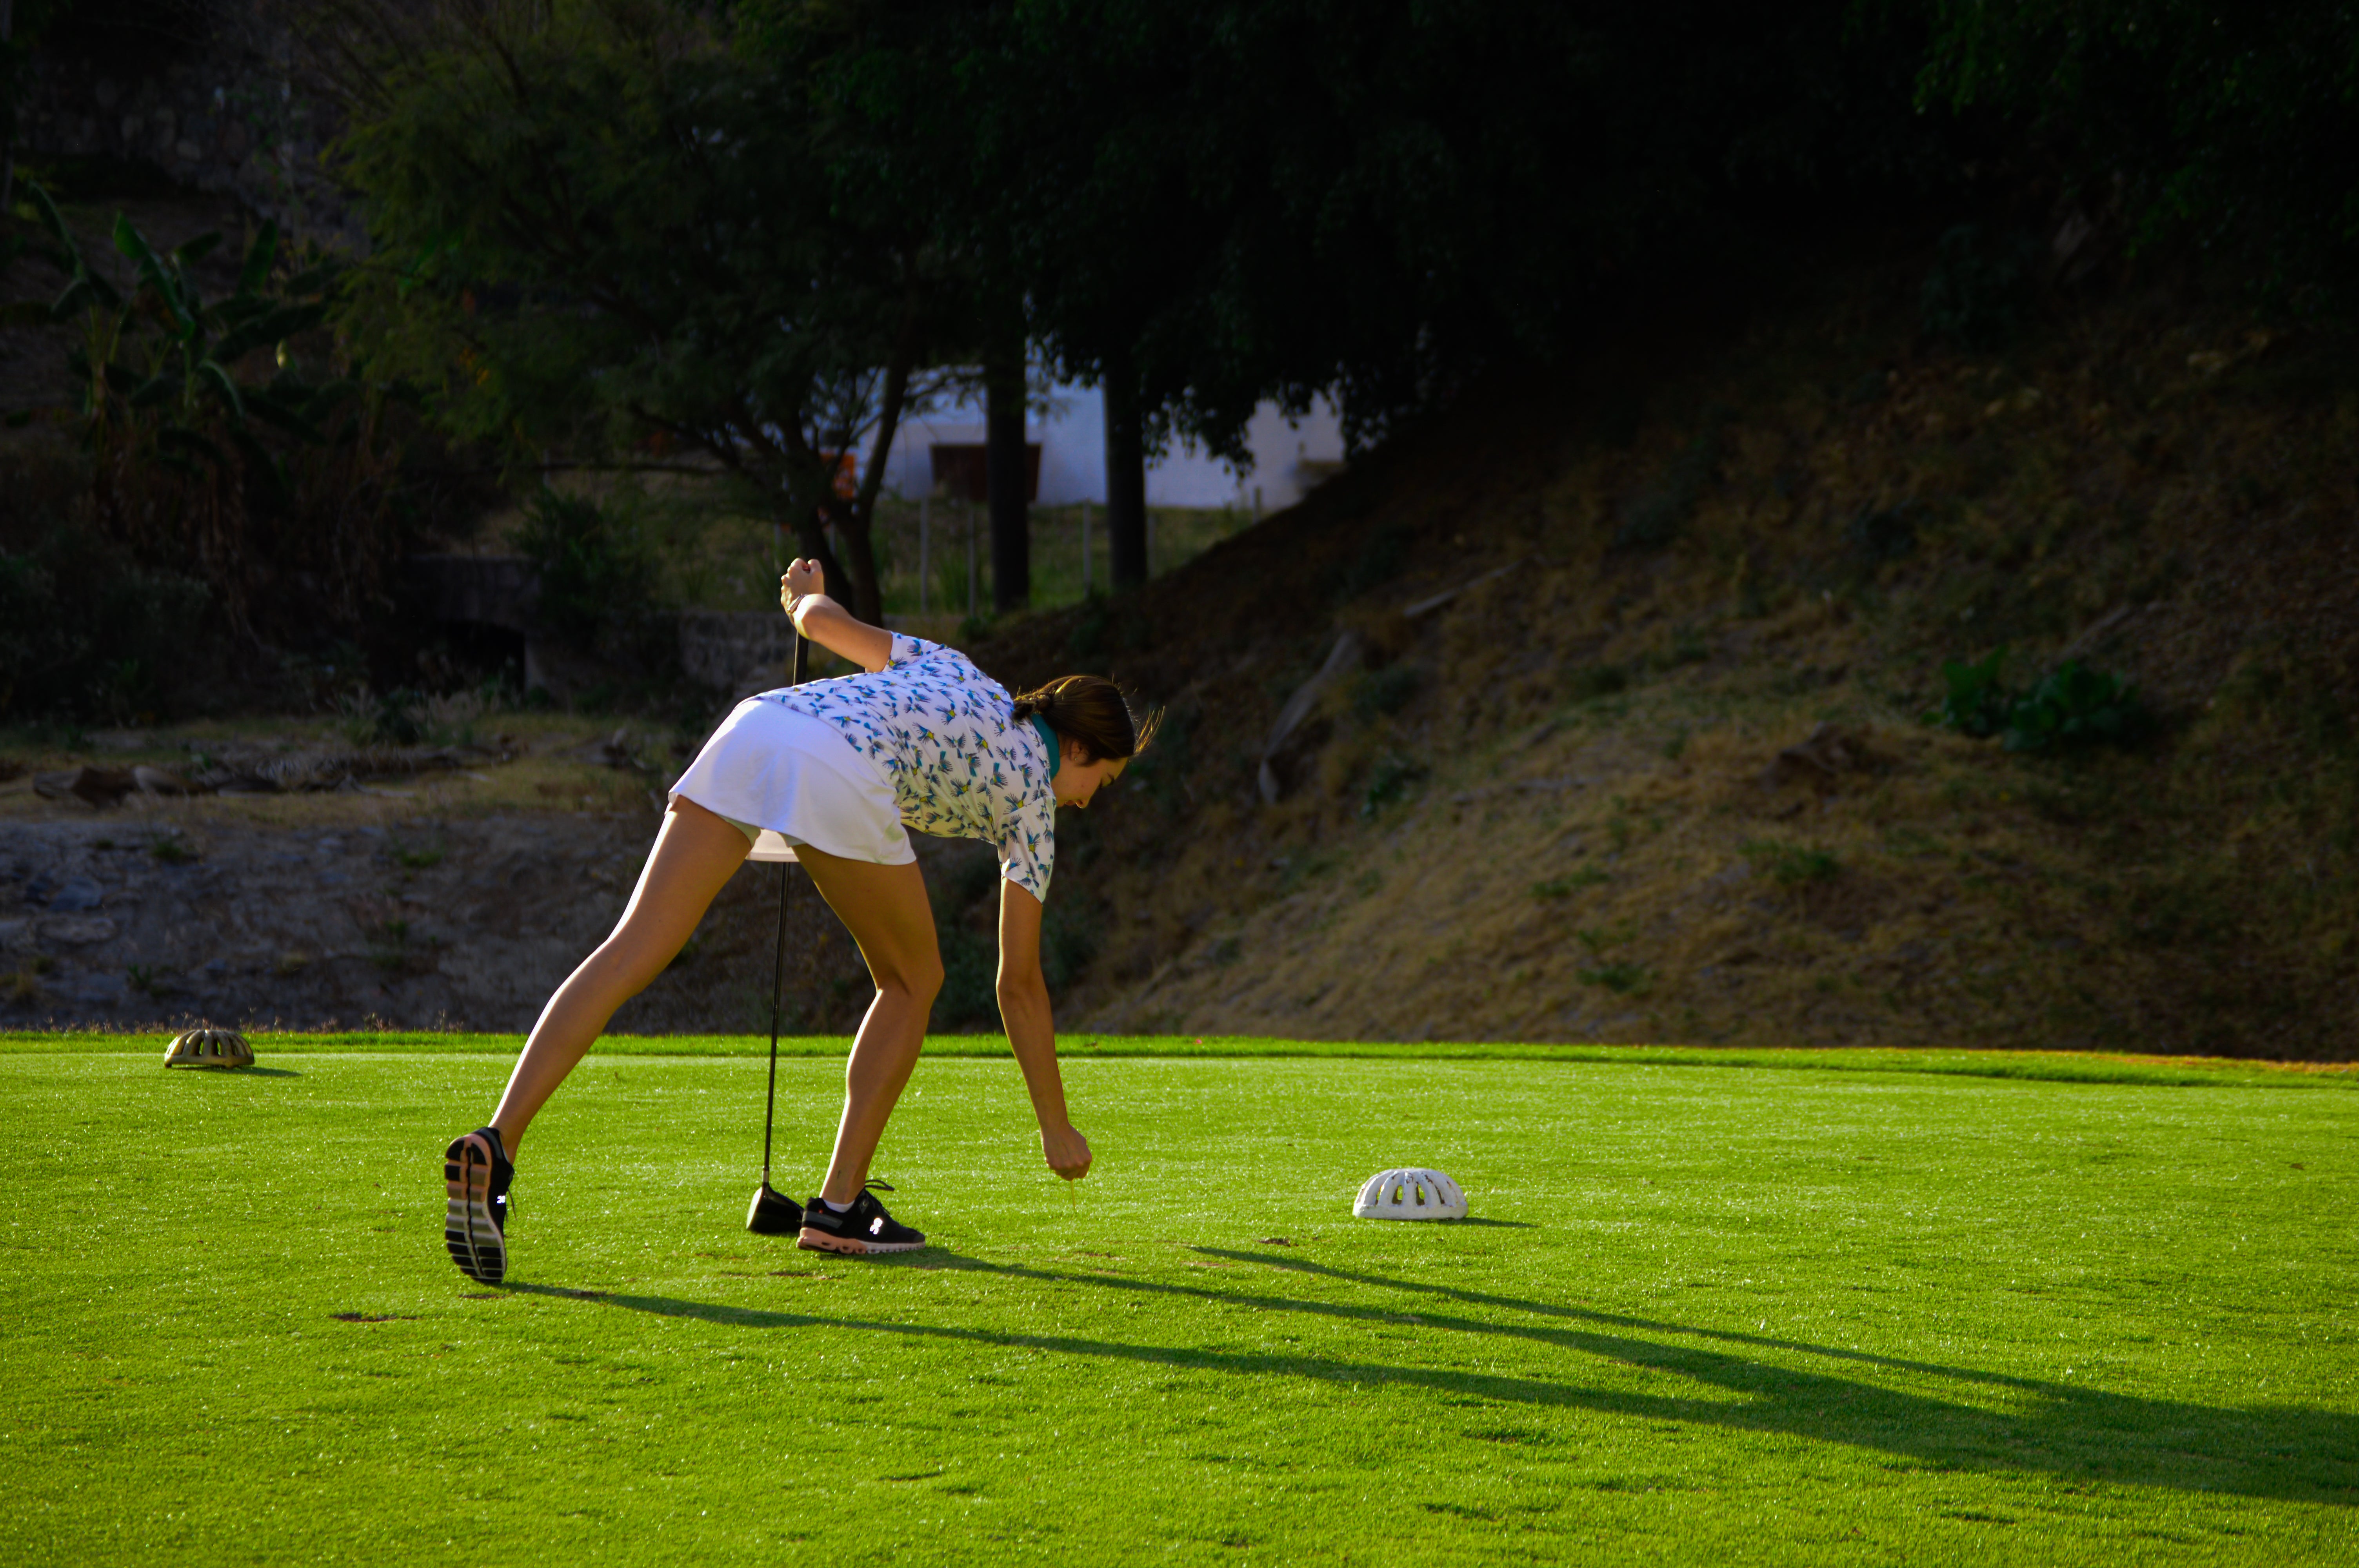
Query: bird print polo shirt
961,765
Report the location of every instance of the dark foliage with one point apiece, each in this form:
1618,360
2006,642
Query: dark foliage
598,570
88,634
1975,701
2076,706
2235,127
223,442
2070,706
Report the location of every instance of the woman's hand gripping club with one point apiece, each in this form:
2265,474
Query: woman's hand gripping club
802,594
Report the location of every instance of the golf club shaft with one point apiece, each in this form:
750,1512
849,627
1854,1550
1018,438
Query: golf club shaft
779,962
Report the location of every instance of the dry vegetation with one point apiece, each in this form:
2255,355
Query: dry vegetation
1551,807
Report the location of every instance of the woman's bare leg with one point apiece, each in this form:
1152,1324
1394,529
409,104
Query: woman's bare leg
886,909
695,853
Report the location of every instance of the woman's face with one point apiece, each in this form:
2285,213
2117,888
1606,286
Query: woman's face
1077,781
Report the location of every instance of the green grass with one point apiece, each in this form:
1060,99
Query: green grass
1705,1312
2053,1066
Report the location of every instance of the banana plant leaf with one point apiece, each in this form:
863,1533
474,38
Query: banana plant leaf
77,294
141,254
56,224
287,322
256,273
194,251
315,279
224,384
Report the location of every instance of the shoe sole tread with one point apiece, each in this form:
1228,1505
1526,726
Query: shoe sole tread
814,1239
470,1234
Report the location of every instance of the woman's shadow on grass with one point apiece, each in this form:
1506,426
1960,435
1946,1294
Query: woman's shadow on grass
2062,1429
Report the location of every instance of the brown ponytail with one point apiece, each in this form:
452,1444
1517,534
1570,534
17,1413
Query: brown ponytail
1091,711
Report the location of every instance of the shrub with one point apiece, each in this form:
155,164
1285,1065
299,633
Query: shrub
2075,706
1974,703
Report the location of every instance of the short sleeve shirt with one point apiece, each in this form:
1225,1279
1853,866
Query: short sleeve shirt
960,765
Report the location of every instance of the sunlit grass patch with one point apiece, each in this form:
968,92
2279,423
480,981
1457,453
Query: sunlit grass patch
1701,1312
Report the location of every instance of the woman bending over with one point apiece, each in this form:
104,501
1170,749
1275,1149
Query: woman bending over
832,773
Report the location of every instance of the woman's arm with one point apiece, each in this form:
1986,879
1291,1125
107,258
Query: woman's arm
803,594
1032,1032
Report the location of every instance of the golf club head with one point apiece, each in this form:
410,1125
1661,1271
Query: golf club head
770,1215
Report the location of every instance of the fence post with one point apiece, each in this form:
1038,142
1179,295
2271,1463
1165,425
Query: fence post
925,517
971,568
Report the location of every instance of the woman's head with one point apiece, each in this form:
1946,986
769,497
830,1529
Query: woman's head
1091,711
1097,731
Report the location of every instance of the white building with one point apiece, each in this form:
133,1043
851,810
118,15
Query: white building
1288,459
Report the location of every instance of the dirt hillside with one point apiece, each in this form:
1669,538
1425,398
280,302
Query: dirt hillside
1509,732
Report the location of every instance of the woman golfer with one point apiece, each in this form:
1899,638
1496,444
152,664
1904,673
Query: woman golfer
836,769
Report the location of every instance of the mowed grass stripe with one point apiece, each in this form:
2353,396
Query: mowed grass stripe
1704,1315
2043,1067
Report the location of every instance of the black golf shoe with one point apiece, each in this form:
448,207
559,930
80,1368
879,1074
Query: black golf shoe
863,1230
476,1172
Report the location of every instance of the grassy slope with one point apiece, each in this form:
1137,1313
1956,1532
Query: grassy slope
1707,1316
1596,721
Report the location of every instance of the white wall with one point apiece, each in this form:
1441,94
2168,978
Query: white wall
1072,433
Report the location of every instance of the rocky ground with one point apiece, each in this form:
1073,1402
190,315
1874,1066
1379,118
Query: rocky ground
446,905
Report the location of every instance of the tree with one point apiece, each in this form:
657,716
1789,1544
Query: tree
1007,471
2233,126
1245,199
615,230
909,94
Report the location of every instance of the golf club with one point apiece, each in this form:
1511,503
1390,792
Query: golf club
769,1214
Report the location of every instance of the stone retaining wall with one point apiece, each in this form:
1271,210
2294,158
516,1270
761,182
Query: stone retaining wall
737,651
229,113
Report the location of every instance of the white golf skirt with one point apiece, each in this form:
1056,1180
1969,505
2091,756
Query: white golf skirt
786,779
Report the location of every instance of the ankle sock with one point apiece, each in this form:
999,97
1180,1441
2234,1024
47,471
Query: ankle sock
835,1207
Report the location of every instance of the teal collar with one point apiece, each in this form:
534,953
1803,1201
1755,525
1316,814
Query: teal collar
1049,738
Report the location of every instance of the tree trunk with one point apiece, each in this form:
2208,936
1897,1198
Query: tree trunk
1009,483
1125,459
858,528
806,518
